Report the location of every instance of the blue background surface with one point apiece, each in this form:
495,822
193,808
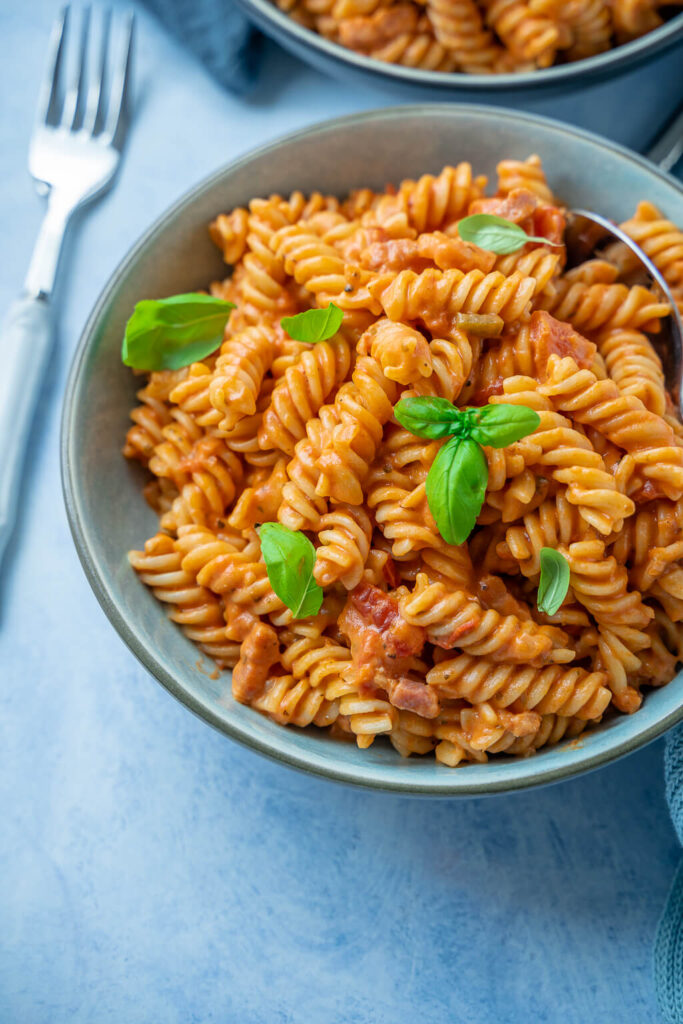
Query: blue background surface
151,870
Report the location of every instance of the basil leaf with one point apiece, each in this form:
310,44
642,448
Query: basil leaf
456,488
501,425
554,582
429,417
313,324
496,234
167,334
290,557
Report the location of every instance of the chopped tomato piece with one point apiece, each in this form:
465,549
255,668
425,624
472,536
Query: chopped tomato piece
382,648
549,222
552,337
516,206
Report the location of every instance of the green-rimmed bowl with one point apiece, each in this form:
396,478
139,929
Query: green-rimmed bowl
175,255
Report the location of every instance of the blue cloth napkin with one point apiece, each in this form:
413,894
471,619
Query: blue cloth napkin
217,33
669,941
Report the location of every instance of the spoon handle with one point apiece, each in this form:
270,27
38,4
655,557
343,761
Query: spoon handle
668,149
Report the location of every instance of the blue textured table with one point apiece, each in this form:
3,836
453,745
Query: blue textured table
151,870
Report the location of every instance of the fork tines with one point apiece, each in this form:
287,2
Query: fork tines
80,93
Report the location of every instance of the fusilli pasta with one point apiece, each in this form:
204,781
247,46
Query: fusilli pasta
472,36
439,648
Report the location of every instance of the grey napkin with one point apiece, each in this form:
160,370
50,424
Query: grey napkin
217,32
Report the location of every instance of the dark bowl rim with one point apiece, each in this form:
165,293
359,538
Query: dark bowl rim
273,21
582,762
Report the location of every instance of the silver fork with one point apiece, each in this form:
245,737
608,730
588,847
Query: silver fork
74,153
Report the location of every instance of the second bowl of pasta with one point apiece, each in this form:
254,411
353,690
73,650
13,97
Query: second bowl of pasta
414,486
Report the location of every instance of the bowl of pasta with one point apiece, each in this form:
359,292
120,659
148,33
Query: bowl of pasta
400,501
500,46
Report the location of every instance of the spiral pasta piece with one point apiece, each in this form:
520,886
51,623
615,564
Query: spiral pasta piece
149,418
364,405
238,374
452,362
229,233
525,174
259,503
468,733
555,522
458,25
191,395
301,506
452,618
604,307
314,665
301,391
540,263
434,202
397,35
402,352
553,689
652,543
648,439
662,241
435,297
311,262
344,536
635,367
264,291
569,457
591,28
601,585
194,608
294,702
396,493
243,438
527,36
634,18
552,729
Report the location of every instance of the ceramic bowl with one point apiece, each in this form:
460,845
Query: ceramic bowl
340,61
103,491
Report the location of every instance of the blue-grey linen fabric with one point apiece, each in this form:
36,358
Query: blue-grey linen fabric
218,34
669,941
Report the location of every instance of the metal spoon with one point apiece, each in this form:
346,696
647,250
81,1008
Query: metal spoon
587,232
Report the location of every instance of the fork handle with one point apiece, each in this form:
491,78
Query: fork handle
25,345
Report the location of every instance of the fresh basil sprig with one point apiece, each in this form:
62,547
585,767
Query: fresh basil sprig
457,480
313,324
496,234
554,582
428,417
496,425
456,488
289,558
167,334
500,425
